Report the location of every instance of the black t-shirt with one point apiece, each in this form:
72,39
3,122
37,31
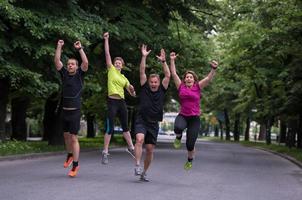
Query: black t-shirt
151,103
72,88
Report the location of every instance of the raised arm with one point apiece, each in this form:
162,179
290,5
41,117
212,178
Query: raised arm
84,64
204,82
162,58
175,77
142,67
107,52
57,59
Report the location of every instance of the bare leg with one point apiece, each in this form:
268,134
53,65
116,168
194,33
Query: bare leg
75,147
128,139
149,156
107,138
139,147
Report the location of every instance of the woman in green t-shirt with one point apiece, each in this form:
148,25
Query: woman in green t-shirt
116,104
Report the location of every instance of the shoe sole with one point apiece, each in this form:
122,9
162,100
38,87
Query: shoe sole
130,153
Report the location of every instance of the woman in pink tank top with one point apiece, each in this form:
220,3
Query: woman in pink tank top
189,92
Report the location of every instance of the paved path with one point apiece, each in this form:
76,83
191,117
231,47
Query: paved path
220,171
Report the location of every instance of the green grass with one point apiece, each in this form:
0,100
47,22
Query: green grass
292,152
20,147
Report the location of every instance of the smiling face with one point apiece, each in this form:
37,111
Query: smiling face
72,65
118,63
190,78
154,82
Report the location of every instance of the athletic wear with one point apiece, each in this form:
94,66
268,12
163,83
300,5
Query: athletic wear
150,112
116,82
143,177
149,129
192,123
74,171
116,107
189,99
188,165
151,103
131,152
105,158
71,121
177,143
72,88
137,170
68,161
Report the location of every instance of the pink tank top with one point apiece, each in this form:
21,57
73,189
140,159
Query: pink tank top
189,99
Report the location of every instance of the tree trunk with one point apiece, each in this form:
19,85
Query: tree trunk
227,125
221,129
4,91
299,132
282,135
52,121
90,125
236,127
216,131
262,131
247,130
268,132
291,134
19,107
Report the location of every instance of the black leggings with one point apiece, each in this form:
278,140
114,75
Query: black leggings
192,123
116,107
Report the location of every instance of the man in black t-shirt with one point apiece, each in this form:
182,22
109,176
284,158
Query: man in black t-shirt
72,81
150,111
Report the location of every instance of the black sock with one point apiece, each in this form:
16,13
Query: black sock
69,155
178,137
75,164
190,159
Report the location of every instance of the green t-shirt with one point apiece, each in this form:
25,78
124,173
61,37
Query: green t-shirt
116,82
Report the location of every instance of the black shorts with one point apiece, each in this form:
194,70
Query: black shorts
71,121
149,129
116,107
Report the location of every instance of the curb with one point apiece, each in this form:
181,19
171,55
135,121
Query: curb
289,158
39,155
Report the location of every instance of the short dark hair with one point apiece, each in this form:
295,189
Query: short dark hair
154,75
77,63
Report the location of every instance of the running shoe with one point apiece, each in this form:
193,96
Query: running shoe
131,152
188,165
68,161
73,172
144,178
137,170
105,158
177,143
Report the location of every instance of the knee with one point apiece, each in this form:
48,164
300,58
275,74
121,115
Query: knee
149,151
190,147
178,129
139,140
74,138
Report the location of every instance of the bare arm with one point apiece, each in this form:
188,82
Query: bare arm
84,64
175,77
58,53
142,67
204,82
131,90
162,58
107,52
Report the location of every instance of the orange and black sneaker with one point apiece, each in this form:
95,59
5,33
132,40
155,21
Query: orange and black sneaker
73,172
68,161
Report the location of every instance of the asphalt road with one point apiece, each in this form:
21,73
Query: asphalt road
220,171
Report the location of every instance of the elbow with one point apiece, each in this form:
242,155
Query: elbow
168,75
